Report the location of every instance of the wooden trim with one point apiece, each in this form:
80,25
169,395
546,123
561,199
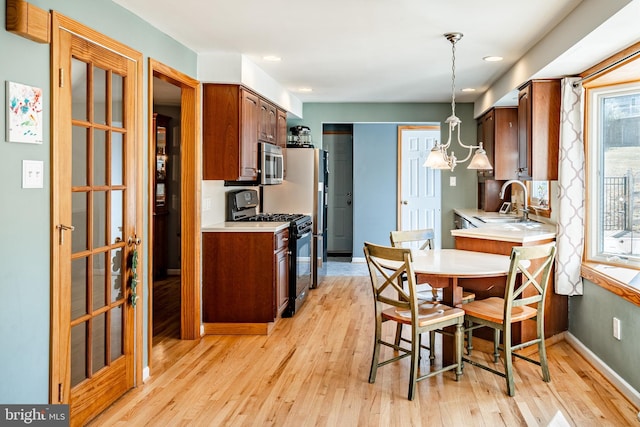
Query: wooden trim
238,328
629,293
29,21
399,168
601,68
191,170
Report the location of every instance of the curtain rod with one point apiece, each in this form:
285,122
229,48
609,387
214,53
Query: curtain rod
603,69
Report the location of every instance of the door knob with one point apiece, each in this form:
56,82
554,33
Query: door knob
134,240
404,202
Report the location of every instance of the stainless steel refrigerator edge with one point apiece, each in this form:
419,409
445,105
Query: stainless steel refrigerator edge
304,190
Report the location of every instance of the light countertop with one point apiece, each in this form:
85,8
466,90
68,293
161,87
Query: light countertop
508,232
245,227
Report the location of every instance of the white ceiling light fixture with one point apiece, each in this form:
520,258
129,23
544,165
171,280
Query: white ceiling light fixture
493,58
438,157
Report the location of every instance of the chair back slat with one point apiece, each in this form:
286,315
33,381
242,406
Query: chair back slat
423,237
389,277
534,263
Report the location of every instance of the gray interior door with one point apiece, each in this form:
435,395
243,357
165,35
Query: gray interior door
340,193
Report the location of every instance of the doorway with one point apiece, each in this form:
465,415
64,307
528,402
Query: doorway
419,189
337,139
175,98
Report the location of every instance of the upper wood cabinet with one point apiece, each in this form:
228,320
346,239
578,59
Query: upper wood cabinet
230,117
498,131
268,122
281,129
539,130
234,120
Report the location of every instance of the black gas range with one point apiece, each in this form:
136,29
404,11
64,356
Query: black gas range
242,206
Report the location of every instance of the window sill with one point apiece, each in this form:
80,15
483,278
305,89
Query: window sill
624,282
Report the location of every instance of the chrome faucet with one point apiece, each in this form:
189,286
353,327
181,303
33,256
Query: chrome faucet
525,210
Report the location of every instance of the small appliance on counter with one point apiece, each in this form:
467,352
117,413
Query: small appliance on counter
300,137
242,206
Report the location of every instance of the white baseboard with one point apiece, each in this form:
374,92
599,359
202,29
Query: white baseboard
358,260
201,330
618,382
173,271
145,374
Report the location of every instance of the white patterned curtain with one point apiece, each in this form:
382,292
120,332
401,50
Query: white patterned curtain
570,236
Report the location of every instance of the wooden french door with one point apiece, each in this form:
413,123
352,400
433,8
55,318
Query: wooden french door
96,263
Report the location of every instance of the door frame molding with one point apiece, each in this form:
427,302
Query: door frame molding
190,190
60,372
399,168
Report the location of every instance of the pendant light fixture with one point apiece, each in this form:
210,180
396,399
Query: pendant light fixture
438,157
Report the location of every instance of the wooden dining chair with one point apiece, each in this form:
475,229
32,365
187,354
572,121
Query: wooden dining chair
397,301
422,239
526,301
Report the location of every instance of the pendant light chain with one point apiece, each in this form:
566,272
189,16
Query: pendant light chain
453,77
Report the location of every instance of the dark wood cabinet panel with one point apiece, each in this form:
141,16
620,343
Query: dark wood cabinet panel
539,130
281,129
230,133
498,130
268,122
244,276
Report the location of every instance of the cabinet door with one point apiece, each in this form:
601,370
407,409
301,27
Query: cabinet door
267,122
282,279
281,129
524,133
505,143
486,135
249,137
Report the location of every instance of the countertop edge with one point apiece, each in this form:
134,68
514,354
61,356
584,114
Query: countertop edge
244,227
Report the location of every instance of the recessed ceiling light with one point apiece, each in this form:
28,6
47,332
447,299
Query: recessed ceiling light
468,89
272,58
493,58
305,89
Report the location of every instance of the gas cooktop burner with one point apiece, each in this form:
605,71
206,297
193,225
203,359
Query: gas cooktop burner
274,217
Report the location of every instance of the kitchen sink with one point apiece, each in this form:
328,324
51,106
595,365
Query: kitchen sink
496,219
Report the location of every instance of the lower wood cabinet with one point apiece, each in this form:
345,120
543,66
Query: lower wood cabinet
556,313
244,278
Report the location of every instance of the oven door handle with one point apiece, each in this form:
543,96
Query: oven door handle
302,236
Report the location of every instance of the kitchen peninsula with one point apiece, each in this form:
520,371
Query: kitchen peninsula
496,233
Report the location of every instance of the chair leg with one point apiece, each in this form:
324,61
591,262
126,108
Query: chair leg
398,334
542,352
432,347
415,357
496,343
376,352
508,362
459,344
469,337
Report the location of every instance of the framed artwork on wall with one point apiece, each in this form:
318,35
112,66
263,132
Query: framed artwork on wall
24,113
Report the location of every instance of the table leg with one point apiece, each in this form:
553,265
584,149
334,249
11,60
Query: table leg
452,296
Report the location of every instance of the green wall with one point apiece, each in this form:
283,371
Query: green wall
25,213
463,195
591,322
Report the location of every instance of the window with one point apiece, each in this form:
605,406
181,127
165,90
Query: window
613,176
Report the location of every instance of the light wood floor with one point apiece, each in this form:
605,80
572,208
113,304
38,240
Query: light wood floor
313,370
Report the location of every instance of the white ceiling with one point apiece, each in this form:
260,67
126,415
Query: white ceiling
381,50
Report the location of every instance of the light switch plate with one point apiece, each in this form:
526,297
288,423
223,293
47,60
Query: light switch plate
32,174
452,181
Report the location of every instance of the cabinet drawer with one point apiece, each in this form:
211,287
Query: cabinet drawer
281,240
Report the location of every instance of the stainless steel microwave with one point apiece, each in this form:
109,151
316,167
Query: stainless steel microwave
271,164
